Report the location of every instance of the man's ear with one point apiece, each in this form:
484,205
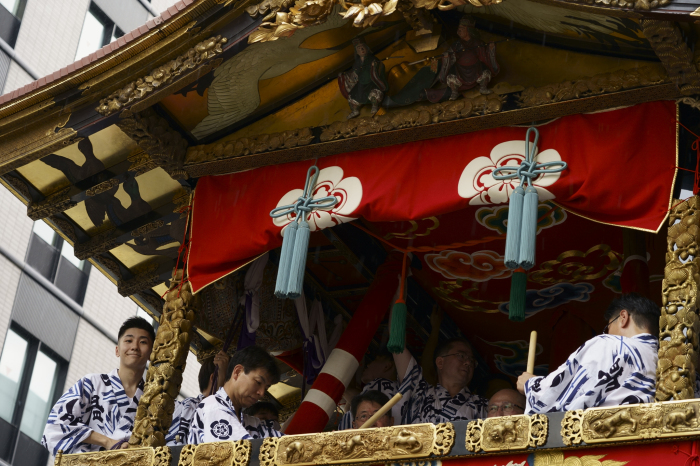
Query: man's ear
237,371
625,318
116,351
439,362
211,379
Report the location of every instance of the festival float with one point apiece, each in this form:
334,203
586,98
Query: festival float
284,173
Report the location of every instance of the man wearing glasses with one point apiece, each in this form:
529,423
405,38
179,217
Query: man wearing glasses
506,402
364,406
616,368
451,400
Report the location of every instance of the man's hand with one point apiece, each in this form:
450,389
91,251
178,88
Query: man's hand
524,377
433,65
221,362
436,316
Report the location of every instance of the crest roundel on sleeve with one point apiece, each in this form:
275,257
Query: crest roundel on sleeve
221,429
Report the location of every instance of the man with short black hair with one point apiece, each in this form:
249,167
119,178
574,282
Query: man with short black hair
97,413
612,369
451,400
184,410
250,373
365,405
264,410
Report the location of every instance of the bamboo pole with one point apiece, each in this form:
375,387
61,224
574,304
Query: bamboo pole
382,411
531,353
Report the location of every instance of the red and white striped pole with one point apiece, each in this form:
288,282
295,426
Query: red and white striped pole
329,386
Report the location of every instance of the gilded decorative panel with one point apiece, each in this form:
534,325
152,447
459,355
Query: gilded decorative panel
507,433
160,456
359,446
671,419
216,454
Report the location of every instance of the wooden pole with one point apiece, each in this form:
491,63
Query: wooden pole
382,411
531,353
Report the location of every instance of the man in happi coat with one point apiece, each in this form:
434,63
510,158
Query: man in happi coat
184,410
97,413
451,399
380,376
468,63
366,82
250,373
612,369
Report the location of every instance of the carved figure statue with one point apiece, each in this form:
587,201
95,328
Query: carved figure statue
350,445
407,441
609,425
366,82
294,452
505,431
684,417
469,62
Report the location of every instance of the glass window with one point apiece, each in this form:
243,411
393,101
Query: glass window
68,252
92,36
45,232
14,354
39,398
11,5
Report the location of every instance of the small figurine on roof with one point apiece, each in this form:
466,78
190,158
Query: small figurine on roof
366,82
468,63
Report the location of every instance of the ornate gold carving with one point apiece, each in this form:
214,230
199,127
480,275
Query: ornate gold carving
475,430
268,452
140,164
161,75
599,84
284,17
65,226
358,446
132,457
96,245
19,186
441,129
102,187
556,458
539,428
507,433
216,454
162,456
147,228
444,439
186,455
411,117
678,340
53,204
144,280
571,427
168,358
165,146
667,41
246,146
670,419
111,265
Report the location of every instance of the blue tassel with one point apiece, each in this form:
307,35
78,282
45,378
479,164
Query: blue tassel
518,293
285,259
298,264
515,215
528,235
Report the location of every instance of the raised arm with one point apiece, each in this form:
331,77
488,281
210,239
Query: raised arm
427,360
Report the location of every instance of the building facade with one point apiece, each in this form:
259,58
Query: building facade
59,317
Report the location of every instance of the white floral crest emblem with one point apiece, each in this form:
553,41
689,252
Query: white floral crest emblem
478,184
330,182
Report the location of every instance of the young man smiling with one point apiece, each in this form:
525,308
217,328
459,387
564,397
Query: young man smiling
97,413
250,373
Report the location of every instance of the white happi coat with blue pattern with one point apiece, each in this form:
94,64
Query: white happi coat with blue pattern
607,370
215,420
96,403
